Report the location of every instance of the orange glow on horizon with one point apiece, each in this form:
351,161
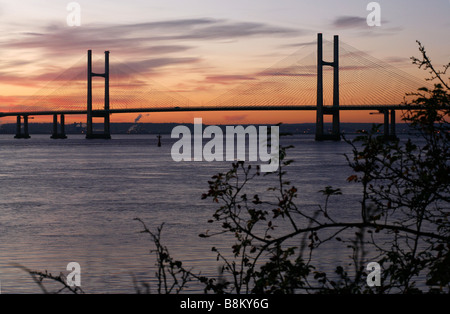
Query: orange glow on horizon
223,118
291,85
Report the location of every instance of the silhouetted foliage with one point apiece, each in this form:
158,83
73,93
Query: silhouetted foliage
403,222
61,281
171,275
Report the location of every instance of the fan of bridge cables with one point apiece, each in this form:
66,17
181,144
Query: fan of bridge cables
364,80
129,88
66,90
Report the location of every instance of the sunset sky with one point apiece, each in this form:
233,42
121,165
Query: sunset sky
200,49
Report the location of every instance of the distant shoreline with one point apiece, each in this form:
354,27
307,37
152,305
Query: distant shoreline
166,128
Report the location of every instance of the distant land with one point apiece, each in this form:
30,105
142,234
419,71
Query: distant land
166,128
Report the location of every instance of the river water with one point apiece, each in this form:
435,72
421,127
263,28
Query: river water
75,200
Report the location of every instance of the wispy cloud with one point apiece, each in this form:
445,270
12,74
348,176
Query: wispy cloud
349,22
286,72
228,79
152,64
139,37
146,46
360,24
300,44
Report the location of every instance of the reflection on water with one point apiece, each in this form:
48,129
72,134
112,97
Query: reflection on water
75,200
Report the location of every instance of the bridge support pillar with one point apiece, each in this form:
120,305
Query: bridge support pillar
389,127
19,133
393,133
55,133
386,123
105,114
335,134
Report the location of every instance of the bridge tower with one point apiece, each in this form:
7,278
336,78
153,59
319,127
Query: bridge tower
62,133
105,114
321,110
19,133
389,128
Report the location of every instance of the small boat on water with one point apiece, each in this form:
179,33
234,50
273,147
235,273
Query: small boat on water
159,140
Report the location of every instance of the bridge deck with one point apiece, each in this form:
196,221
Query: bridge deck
244,108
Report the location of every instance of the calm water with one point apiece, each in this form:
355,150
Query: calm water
75,200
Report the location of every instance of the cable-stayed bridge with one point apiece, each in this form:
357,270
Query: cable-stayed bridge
333,78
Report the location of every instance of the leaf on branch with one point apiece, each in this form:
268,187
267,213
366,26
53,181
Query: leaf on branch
352,178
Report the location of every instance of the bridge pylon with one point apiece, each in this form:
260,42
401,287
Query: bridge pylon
19,132
389,128
105,113
62,132
335,135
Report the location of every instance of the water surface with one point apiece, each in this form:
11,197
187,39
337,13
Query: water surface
75,200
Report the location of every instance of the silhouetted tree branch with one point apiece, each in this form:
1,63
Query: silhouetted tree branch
425,62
